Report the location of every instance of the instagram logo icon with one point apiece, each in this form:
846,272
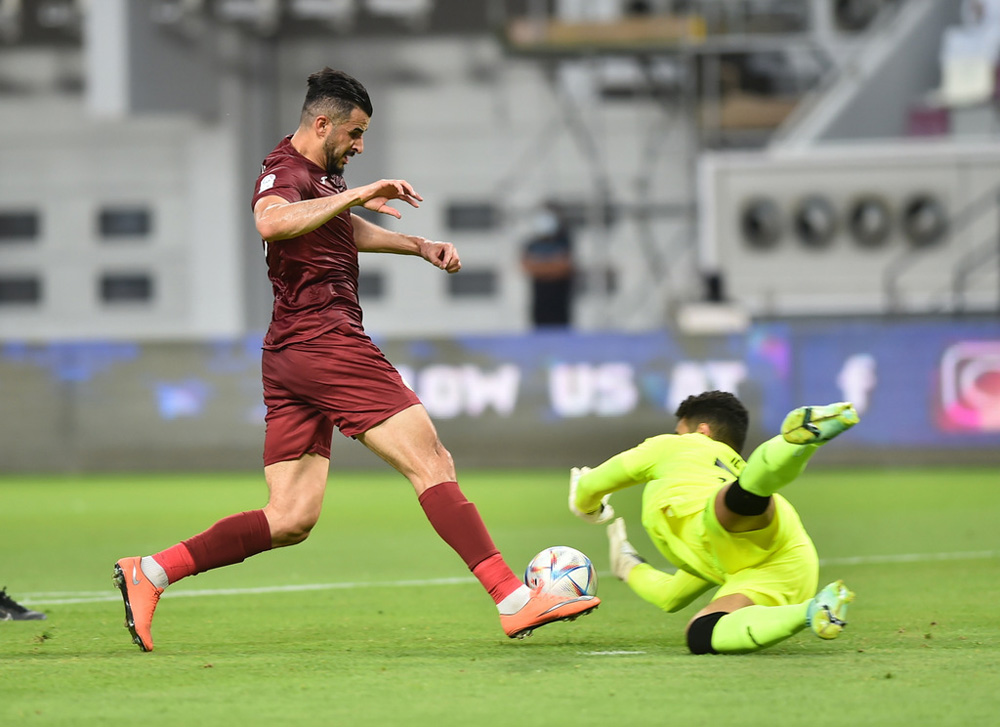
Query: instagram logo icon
970,386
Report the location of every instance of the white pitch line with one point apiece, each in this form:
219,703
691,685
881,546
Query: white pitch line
911,558
61,598
64,598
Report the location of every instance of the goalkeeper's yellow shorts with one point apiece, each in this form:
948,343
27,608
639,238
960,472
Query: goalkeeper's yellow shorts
775,566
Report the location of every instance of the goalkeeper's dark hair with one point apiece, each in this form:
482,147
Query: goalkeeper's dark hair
334,94
723,412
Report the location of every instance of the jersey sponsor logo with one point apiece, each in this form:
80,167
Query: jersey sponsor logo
266,183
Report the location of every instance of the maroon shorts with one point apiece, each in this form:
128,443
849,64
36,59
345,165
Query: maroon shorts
340,379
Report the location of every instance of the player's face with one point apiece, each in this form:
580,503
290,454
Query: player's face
344,140
683,427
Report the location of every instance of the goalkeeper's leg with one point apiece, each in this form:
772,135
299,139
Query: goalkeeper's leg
748,627
781,459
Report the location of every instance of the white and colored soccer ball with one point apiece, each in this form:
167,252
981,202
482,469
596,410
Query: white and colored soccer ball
562,571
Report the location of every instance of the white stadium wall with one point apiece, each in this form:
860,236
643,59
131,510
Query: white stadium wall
937,251
128,229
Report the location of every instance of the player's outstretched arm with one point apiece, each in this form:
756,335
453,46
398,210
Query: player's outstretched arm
591,488
369,237
583,506
440,254
376,196
278,219
668,591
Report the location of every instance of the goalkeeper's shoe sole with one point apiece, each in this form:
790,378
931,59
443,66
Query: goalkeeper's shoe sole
818,424
545,608
827,613
140,597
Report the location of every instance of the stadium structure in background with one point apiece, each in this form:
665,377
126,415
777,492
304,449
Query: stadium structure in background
927,390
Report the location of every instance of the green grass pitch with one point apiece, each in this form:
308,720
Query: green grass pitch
374,621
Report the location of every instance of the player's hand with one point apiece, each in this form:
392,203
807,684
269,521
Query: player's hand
623,556
375,196
602,514
441,255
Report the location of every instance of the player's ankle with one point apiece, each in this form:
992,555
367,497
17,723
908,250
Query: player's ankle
514,602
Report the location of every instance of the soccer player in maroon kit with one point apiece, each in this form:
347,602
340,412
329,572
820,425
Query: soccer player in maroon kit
321,371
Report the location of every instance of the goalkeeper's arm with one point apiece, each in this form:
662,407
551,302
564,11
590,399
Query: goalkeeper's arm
668,591
590,489
671,592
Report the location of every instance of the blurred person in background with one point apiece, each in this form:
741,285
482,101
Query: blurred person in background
547,258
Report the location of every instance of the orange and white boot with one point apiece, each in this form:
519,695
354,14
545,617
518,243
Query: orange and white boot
140,597
545,608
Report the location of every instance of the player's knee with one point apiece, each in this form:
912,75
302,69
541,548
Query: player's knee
292,531
699,633
294,536
435,467
442,458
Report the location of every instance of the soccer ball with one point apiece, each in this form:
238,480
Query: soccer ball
562,571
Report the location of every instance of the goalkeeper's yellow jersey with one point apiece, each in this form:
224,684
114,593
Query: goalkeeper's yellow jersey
683,473
681,470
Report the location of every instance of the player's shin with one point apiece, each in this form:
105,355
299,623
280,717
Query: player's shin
746,629
457,522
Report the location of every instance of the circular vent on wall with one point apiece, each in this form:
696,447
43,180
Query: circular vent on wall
815,221
925,220
869,221
760,222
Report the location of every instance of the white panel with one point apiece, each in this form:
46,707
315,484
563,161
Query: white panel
844,277
178,170
106,57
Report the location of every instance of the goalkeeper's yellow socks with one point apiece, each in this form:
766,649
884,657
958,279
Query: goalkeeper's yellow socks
781,459
757,627
774,464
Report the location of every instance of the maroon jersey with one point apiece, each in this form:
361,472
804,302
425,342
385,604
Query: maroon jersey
314,276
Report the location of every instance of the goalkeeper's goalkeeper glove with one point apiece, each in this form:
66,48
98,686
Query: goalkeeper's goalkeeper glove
604,511
624,557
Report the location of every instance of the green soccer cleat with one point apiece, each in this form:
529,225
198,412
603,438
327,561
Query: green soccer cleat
827,613
818,424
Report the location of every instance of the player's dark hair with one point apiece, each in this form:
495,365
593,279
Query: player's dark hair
335,94
722,411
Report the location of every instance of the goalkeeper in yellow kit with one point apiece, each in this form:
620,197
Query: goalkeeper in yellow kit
718,519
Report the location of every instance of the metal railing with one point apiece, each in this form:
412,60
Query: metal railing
962,270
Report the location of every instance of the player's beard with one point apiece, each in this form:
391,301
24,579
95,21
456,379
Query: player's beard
333,163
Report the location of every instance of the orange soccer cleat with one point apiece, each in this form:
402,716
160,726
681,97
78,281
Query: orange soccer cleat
544,608
140,597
